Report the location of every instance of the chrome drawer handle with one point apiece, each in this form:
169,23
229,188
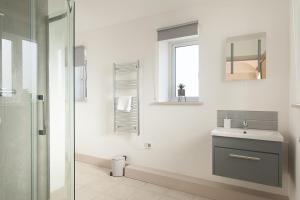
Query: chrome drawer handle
244,157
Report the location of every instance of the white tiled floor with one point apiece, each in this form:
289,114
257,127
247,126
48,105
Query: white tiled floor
93,183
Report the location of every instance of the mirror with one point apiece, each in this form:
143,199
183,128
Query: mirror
246,57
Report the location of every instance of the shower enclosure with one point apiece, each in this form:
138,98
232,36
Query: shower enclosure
26,60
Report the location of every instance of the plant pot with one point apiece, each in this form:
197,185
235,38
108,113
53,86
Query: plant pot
181,92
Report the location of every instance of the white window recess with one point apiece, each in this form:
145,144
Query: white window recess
178,63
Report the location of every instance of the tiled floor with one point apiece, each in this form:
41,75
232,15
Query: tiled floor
93,183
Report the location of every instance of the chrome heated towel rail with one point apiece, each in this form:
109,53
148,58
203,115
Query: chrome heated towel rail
126,82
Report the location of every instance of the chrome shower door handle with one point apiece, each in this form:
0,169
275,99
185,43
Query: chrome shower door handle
41,115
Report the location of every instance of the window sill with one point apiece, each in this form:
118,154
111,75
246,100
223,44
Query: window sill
296,106
170,103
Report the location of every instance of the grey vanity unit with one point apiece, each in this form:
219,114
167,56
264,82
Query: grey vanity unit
247,159
248,154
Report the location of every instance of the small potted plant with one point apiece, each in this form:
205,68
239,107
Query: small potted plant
181,90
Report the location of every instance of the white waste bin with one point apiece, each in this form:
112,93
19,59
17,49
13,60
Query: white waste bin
118,165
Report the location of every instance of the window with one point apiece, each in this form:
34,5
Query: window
178,63
185,69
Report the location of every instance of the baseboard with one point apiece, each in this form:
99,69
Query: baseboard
204,188
101,162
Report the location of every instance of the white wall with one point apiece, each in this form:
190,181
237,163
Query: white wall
180,135
294,149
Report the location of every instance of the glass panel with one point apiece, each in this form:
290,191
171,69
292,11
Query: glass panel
20,166
57,106
187,69
24,160
61,101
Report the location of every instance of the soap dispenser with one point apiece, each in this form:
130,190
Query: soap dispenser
227,122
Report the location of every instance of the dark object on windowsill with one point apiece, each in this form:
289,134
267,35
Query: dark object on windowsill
181,92
181,95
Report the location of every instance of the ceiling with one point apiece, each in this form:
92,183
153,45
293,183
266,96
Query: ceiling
93,14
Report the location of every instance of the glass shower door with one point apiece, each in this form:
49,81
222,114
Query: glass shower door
23,64
24,101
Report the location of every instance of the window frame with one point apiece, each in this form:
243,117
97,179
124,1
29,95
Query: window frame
173,87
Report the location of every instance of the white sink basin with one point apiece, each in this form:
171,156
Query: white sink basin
253,134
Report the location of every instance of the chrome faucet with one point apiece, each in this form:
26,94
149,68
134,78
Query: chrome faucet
245,124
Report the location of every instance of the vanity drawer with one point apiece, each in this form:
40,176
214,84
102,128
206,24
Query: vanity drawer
247,165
